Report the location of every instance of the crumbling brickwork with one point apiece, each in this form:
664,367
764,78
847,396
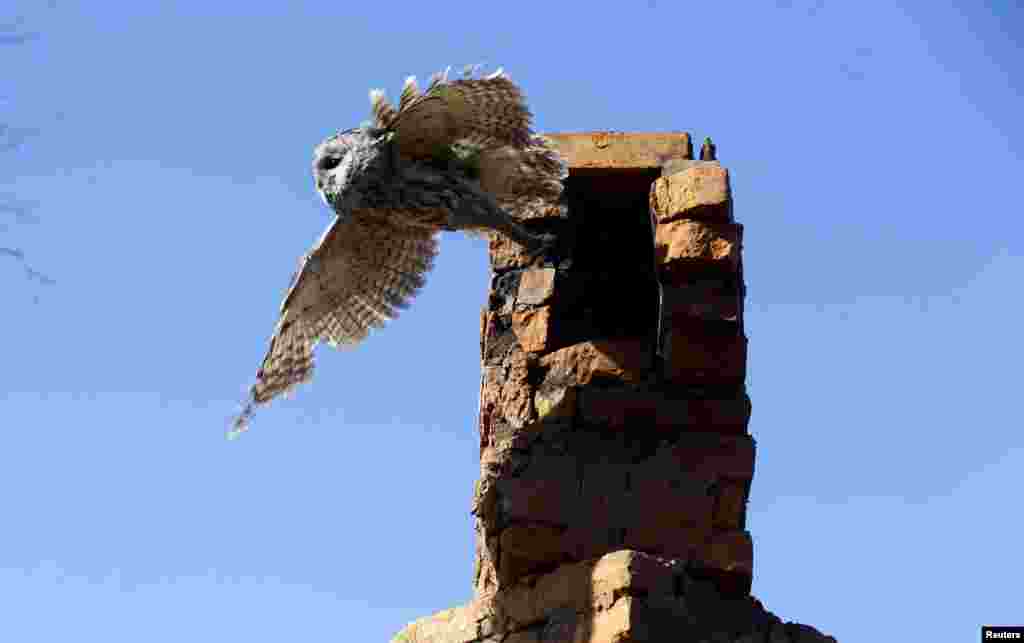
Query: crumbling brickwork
615,458
599,433
622,597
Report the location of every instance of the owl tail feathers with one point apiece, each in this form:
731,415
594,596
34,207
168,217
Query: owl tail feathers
288,363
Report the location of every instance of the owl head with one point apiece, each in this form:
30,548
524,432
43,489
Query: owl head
343,162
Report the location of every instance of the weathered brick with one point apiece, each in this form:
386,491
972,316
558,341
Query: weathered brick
536,286
637,410
723,416
503,292
662,469
675,166
731,504
455,625
653,410
483,329
614,523
562,626
592,540
566,586
486,556
484,497
685,247
679,489
497,338
555,402
729,551
674,540
527,547
715,300
655,502
624,359
714,456
506,394
624,494
612,625
586,586
693,356
532,541
485,563
504,452
506,253
602,478
619,150
548,500
634,571
556,466
533,328
622,596
700,192
524,636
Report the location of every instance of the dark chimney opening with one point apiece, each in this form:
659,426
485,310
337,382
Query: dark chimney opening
612,262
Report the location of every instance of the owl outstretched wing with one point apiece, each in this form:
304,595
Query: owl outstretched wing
526,181
483,112
361,273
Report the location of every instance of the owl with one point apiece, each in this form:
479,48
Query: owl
458,156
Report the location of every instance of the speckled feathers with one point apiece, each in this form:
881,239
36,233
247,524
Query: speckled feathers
461,155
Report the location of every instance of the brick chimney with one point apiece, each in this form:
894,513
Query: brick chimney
614,452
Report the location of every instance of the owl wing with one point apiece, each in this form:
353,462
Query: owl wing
360,273
483,112
525,182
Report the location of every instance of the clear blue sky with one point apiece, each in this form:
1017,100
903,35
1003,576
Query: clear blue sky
875,153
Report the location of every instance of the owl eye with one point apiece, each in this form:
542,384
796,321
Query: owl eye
330,162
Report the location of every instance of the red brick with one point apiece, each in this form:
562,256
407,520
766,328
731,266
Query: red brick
713,456
598,513
555,402
705,299
696,357
589,541
730,551
677,540
642,410
617,624
624,359
506,253
619,409
526,548
723,416
505,393
654,502
730,505
504,451
483,329
620,150
686,246
485,563
700,192
550,501
523,636
533,328
536,286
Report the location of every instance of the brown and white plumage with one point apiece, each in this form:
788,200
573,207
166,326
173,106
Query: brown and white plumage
485,112
459,156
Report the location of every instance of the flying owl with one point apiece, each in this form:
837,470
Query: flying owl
461,155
